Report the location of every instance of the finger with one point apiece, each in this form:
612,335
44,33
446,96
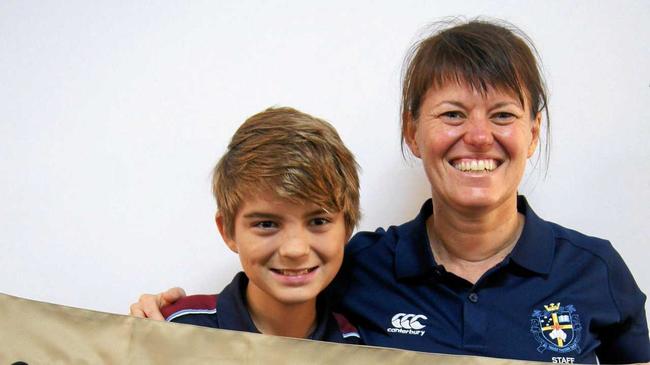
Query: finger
149,305
153,313
136,311
170,296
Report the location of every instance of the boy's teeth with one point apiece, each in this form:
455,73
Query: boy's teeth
295,272
476,165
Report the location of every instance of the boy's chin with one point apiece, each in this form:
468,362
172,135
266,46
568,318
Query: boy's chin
297,296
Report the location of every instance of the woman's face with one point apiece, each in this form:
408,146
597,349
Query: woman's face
473,147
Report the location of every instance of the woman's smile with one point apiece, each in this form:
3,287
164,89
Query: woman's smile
473,146
476,166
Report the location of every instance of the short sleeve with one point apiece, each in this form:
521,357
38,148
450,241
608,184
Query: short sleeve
627,340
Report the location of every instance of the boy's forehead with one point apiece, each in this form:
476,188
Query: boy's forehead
272,202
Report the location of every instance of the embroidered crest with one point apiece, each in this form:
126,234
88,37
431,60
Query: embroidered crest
556,328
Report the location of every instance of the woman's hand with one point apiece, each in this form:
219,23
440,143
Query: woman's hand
148,306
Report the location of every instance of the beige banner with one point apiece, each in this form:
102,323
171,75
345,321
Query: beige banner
41,333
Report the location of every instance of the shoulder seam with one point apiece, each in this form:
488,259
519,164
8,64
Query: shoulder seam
566,237
609,288
377,235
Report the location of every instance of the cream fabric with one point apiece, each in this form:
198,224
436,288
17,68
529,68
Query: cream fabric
42,333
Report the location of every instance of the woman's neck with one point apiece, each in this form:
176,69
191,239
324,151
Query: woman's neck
272,317
470,243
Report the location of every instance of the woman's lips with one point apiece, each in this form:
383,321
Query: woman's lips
475,165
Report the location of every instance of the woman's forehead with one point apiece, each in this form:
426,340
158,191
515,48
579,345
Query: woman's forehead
464,89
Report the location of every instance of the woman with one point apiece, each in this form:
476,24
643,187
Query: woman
477,272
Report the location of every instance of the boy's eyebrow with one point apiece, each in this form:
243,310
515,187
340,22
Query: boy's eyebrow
318,211
263,215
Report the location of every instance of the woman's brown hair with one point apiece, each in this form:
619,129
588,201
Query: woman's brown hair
481,54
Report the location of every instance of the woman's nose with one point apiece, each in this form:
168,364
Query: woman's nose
479,132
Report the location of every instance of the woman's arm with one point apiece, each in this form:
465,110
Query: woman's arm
148,306
625,341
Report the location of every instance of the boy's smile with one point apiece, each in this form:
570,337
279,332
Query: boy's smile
295,277
289,251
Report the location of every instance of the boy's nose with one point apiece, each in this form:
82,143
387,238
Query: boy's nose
295,245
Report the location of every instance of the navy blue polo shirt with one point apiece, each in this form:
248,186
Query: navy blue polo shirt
228,310
559,296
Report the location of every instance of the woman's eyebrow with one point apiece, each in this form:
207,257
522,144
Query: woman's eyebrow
506,103
452,102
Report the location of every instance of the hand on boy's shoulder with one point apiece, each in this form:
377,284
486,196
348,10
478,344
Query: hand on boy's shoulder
148,306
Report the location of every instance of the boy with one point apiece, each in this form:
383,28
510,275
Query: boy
287,195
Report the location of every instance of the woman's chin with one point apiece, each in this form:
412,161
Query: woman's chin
477,199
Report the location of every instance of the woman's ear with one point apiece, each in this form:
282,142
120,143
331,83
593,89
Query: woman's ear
410,131
534,130
230,242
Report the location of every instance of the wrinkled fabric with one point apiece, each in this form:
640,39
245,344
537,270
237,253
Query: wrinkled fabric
42,333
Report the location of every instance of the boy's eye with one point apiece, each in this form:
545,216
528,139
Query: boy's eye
320,221
265,224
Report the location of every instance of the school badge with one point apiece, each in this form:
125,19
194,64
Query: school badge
556,328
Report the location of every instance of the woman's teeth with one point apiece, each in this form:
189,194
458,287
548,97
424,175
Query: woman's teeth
475,165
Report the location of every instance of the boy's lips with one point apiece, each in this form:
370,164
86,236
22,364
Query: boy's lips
295,277
294,272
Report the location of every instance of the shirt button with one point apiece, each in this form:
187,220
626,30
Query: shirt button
473,297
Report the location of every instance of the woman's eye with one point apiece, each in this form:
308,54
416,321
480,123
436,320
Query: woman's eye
452,114
452,117
503,117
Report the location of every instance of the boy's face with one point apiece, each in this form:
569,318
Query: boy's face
290,252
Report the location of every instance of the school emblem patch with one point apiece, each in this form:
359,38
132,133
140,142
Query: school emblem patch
556,328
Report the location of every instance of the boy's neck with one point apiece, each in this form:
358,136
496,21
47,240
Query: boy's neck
272,317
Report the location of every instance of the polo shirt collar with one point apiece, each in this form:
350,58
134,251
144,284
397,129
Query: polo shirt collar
413,255
534,249
232,311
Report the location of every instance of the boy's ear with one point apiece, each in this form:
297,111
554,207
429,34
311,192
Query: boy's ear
218,218
348,236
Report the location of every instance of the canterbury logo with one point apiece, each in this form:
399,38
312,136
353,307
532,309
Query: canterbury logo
408,324
408,321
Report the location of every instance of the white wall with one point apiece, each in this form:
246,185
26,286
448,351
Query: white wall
112,115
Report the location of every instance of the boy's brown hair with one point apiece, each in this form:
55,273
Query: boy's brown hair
295,156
